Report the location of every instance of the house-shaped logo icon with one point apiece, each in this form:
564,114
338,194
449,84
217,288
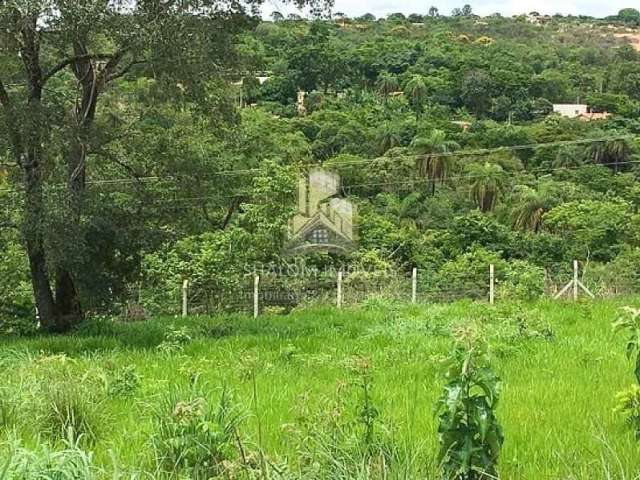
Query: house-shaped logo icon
324,221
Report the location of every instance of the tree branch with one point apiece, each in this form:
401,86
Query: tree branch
108,155
124,70
68,61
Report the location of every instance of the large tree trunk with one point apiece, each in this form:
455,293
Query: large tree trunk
36,253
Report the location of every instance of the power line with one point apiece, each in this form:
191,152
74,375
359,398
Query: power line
458,153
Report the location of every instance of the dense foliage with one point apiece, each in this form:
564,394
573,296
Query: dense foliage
440,127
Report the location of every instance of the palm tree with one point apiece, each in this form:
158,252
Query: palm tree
487,183
568,157
405,210
611,152
529,210
433,159
416,91
386,85
387,138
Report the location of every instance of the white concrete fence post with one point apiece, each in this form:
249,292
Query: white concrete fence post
492,284
575,280
339,290
414,285
256,301
185,297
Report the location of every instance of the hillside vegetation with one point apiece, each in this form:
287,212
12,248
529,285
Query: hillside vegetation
440,127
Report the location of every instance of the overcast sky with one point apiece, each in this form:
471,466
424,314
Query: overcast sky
381,8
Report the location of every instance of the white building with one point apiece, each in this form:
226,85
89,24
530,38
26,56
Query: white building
570,110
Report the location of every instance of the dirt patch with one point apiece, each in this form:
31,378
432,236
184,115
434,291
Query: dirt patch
632,38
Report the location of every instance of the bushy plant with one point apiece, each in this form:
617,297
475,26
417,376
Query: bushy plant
629,322
175,339
71,412
628,406
123,382
469,433
45,463
629,400
468,274
522,281
193,437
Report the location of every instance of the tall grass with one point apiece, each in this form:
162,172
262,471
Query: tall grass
117,392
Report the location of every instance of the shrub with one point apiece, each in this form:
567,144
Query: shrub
628,405
522,281
470,436
194,438
175,339
629,400
468,274
123,382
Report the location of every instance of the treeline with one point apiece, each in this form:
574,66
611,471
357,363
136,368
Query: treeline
178,157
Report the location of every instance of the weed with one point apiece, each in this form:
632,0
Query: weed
174,340
8,408
123,382
192,437
629,321
628,405
337,445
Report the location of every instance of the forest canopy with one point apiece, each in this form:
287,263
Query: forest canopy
146,143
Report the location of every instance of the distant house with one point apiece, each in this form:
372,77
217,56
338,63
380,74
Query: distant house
580,111
570,110
324,221
462,124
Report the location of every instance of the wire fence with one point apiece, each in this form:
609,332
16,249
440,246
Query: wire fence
270,292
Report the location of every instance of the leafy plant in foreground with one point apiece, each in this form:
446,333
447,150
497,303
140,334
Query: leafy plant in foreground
629,400
194,438
629,321
469,433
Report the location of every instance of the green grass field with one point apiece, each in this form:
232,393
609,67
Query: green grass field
295,381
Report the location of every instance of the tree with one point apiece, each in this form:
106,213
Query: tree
433,11
629,15
592,228
530,207
386,85
486,184
477,91
467,11
416,92
61,48
433,157
612,153
276,16
367,17
387,138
